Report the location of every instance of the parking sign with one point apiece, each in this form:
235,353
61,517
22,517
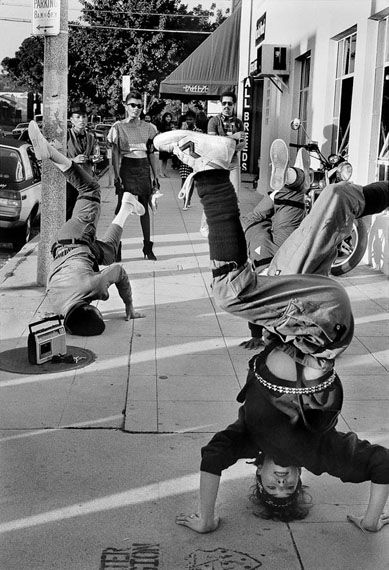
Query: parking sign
46,17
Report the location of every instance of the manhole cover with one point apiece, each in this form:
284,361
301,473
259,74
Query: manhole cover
16,360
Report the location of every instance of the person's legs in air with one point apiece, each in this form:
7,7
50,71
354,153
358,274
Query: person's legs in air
109,247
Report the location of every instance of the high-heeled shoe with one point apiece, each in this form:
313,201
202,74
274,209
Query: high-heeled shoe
148,250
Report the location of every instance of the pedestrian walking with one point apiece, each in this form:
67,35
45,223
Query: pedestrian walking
165,125
189,124
134,163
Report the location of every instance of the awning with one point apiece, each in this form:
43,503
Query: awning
211,69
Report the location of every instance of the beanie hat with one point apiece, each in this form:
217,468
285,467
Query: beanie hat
84,320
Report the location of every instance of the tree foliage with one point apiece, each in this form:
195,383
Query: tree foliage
103,49
26,68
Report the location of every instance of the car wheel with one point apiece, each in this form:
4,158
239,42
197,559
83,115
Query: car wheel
23,235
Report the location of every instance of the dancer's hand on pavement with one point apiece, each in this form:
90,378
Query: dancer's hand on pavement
252,343
358,522
196,523
131,314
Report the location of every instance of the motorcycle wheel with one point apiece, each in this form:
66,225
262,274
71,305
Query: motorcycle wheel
351,250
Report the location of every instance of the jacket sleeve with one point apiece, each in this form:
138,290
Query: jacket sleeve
354,460
227,446
212,126
114,274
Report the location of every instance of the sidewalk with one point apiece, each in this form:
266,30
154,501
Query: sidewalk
96,463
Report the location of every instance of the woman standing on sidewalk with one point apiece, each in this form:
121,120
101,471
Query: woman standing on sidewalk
133,163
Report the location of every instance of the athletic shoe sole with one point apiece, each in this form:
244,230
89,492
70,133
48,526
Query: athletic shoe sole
38,141
279,157
197,150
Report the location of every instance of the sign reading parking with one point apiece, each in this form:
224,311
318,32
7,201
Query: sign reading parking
46,17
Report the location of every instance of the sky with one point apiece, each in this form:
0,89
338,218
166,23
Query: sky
13,33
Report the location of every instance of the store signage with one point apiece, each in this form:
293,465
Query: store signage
46,17
260,29
253,67
196,89
246,118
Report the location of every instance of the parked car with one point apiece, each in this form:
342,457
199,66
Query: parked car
20,191
19,129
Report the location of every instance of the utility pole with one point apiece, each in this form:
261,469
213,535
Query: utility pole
52,23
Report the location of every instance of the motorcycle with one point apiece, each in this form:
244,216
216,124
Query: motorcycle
334,168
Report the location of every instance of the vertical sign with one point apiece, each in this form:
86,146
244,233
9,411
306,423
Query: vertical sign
126,85
260,29
246,117
46,16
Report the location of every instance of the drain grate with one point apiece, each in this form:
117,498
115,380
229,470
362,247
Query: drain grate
140,556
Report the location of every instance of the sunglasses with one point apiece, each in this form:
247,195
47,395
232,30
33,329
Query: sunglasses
227,103
133,105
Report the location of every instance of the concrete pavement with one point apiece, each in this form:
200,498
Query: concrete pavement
96,462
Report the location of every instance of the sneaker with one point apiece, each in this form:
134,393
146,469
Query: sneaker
132,200
197,150
303,162
38,141
279,162
185,208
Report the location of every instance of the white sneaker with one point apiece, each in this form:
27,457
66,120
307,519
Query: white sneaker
197,150
279,157
132,200
40,144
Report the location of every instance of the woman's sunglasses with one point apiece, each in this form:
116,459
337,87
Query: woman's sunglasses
133,105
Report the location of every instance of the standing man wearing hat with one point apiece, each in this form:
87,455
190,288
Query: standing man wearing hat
80,149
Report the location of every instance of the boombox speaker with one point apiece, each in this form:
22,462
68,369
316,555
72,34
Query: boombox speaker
46,339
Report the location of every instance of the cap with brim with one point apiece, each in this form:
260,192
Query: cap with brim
78,108
84,320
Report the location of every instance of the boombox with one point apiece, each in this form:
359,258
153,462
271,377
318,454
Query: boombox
47,340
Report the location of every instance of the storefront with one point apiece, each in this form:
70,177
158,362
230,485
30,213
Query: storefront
211,69
326,62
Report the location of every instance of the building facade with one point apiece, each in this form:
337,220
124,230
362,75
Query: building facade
326,62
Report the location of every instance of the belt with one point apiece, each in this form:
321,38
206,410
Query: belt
303,390
224,269
71,242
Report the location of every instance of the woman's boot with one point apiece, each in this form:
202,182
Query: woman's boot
148,250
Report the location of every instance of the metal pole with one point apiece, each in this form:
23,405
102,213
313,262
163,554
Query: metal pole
55,91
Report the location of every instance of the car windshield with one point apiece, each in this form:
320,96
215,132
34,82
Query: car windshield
22,126
102,128
11,168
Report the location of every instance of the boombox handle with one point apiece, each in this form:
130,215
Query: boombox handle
55,318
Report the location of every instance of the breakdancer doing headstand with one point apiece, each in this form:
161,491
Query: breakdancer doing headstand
293,395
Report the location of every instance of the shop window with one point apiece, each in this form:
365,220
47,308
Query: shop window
344,83
305,62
